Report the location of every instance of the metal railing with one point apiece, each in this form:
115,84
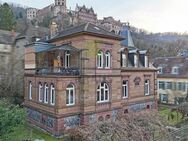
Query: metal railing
72,71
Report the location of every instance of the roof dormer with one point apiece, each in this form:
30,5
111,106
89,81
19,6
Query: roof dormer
175,70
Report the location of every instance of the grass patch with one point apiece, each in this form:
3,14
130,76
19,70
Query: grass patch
30,133
172,117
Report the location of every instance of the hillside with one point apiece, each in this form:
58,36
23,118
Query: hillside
160,44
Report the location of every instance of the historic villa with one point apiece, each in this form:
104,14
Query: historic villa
84,75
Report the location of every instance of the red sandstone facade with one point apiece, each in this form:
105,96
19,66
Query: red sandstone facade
99,86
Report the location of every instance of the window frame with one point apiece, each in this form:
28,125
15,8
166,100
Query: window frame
160,70
135,60
175,68
101,90
46,93
40,92
146,61
108,59
69,89
125,88
67,59
52,94
30,90
100,59
147,83
124,60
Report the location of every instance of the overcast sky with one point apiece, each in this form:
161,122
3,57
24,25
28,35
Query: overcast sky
152,15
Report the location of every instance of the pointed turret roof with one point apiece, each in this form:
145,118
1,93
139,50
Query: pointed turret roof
126,33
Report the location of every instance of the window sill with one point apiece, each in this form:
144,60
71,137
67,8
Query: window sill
103,102
147,94
70,105
125,97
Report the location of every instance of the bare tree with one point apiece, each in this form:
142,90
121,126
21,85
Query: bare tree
141,126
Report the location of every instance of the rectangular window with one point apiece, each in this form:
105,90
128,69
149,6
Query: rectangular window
146,61
125,89
175,70
163,98
30,90
135,60
181,86
146,87
161,85
124,60
169,85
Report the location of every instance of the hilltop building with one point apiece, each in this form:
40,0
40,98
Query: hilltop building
83,75
58,7
85,15
172,79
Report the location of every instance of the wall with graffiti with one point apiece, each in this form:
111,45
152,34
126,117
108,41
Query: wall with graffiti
41,118
71,122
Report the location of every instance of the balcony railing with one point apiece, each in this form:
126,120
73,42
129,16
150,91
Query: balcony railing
73,71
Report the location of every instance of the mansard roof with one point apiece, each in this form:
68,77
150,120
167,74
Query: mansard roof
168,63
87,28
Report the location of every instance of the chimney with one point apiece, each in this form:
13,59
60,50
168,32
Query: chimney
53,29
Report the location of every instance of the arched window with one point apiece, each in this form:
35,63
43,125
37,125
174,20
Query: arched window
46,93
67,59
40,92
108,59
52,94
103,93
100,59
70,95
125,89
30,90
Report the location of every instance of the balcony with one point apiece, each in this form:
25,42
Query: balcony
58,71
58,60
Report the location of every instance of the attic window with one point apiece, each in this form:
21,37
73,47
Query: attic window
96,28
160,70
175,70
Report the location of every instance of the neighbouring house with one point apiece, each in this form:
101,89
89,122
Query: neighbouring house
6,40
83,75
58,7
31,13
172,79
12,61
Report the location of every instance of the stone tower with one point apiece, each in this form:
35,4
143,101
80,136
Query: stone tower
60,3
60,7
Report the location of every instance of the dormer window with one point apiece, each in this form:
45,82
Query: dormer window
160,70
135,60
175,70
124,60
146,61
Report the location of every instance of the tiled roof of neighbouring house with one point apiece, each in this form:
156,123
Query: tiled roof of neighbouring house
88,28
167,64
7,37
